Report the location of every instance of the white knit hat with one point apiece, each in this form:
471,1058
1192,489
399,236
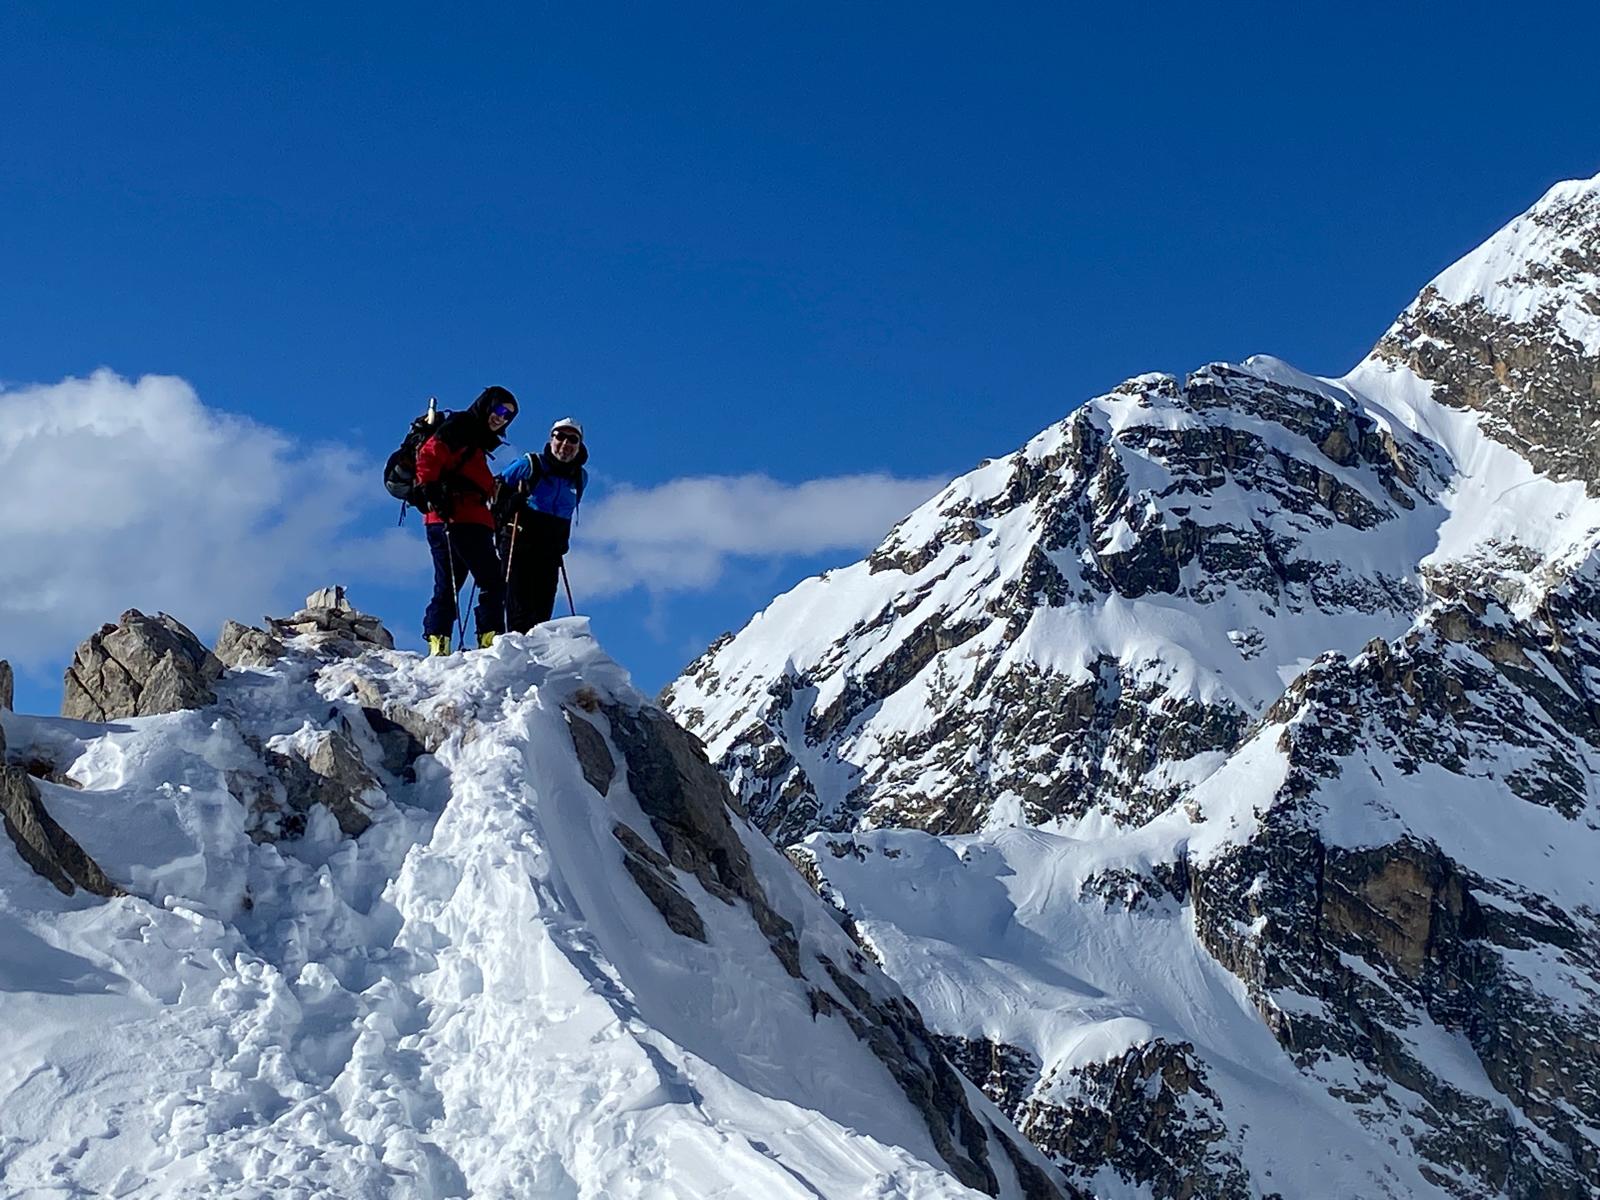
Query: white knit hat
568,423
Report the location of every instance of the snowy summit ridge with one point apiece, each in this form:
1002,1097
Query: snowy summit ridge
1220,772
531,951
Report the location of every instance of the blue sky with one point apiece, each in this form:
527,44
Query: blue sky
800,243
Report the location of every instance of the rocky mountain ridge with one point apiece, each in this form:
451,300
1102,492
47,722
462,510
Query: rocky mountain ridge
1294,674
308,917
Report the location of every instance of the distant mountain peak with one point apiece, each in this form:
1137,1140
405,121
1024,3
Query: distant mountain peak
1512,331
1230,751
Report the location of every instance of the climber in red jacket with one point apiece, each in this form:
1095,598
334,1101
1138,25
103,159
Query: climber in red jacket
453,473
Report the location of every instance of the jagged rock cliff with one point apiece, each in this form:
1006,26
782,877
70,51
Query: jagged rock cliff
1258,717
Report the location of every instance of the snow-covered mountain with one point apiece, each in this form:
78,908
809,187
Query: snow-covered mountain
1220,772
358,924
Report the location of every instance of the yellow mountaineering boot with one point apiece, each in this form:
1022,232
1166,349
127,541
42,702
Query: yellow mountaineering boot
438,643
485,640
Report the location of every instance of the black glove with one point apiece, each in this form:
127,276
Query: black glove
504,505
437,497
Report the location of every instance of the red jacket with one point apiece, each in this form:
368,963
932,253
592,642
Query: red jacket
465,472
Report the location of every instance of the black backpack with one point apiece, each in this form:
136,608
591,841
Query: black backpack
400,472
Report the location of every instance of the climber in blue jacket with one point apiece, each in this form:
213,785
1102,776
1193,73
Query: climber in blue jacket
537,498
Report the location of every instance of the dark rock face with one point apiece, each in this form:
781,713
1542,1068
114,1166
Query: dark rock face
1537,385
1150,1114
50,850
688,805
6,685
1007,1074
1393,937
652,871
594,756
139,667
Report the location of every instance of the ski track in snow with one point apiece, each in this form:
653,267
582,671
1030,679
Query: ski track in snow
471,999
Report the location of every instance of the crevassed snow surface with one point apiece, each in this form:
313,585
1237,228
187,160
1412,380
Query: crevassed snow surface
473,999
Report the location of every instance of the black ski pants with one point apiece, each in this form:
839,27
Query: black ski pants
460,550
531,587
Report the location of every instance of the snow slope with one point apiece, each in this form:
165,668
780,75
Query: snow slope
471,999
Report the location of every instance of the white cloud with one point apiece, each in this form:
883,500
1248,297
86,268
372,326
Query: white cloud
124,494
134,494
680,535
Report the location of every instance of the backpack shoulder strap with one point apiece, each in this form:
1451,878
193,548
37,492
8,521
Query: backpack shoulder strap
535,469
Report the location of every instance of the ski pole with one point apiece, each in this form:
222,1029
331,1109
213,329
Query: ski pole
471,596
511,553
455,588
568,584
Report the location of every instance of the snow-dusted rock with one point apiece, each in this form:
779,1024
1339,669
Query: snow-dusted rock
331,622
51,851
6,685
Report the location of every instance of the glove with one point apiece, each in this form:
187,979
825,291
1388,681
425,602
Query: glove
437,497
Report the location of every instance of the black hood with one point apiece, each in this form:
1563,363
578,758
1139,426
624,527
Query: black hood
470,426
491,396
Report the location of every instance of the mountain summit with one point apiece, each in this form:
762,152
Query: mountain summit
1220,771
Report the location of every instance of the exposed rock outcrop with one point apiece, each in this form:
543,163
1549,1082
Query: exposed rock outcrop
322,768
1511,332
1150,1114
7,684
333,624
688,805
246,646
139,667
50,850
1221,487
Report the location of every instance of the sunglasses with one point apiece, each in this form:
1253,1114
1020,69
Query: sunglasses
504,411
565,437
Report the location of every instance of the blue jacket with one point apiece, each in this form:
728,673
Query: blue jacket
545,486
538,498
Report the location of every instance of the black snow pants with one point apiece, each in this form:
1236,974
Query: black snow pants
531,588
460,550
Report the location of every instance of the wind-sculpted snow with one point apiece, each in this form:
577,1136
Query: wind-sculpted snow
1220,771
473,998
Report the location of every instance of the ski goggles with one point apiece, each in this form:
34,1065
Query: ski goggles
504,411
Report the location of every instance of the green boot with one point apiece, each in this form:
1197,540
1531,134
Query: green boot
438,643
485,640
